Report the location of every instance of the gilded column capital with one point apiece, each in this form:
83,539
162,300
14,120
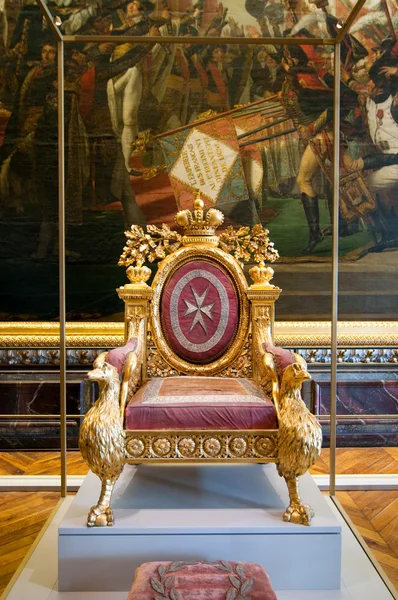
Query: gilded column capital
264,293
135,291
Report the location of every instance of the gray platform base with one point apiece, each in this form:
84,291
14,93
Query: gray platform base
194,513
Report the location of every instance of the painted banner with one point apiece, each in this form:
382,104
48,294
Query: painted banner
206,157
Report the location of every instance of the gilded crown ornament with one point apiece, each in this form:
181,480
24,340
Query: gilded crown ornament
245,244
198,226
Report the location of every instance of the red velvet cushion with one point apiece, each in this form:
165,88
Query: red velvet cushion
117,356
218,580
200,311
200,403
283,358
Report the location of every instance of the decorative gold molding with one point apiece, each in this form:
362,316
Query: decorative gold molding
45,334
198,445
293,334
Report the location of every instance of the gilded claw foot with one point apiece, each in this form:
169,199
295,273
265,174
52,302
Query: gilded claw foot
100,516
296,512
301,514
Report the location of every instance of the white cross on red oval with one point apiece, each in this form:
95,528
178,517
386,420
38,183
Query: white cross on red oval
199,311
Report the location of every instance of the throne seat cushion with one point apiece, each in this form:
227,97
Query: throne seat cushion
200,403
204,580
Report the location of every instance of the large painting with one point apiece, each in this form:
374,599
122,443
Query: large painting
148,124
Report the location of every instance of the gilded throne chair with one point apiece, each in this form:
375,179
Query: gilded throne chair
199,379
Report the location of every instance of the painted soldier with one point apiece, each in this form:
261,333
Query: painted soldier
198,81
267,74
381,111
217,88
126,87
17,151
309,102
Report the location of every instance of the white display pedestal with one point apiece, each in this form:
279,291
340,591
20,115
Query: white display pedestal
205,512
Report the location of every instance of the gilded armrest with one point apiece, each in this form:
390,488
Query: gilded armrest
265,368
133,368
129,362
268,377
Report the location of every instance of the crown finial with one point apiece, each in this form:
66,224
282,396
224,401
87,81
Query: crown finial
198,204
199,228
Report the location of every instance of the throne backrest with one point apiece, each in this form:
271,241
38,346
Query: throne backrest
199,309
200,313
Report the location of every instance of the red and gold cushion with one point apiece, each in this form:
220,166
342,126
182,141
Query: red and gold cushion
202,580
200,403
283,358
117,356
200,311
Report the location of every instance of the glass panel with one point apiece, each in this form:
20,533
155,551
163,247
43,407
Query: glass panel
138,159
370,133
368,280
367,392
29,371
81,395
28,222
367,510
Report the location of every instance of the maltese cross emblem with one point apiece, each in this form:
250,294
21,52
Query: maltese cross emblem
199,309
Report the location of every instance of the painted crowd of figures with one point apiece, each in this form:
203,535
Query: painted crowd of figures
114,90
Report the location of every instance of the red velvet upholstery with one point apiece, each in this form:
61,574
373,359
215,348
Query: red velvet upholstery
117,356
283,357
200,311
200,403
201,581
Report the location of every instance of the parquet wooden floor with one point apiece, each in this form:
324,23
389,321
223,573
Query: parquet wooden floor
349,461
375,515
356,461
40,463
22,516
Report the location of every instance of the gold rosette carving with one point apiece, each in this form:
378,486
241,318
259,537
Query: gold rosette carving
204,445
212,446
161,446
186,446
135,447
237,446
264,446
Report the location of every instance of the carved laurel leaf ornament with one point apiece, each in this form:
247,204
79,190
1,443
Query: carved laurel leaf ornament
165,588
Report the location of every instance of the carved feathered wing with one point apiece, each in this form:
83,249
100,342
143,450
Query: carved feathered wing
300,435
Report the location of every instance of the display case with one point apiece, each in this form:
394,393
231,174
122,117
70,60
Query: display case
283,114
